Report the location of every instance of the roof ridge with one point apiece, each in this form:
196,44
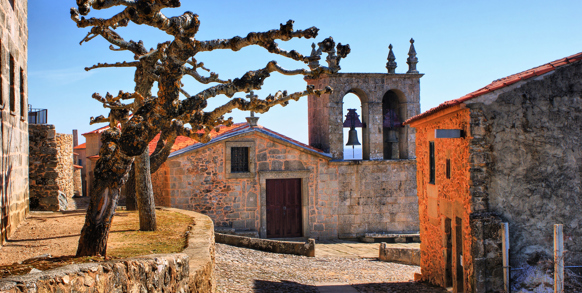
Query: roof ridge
501,83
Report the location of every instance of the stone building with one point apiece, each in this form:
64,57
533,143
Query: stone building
52,172
280,187
509,152
91,154
13,116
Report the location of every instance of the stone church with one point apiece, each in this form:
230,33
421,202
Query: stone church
253,180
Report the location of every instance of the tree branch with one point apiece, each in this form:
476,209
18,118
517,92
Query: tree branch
118,64
265,40
258,105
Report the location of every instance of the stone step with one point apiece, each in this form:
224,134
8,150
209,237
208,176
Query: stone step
391,238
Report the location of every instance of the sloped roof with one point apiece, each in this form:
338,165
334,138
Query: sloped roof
245,128
98,130
501,83
81,146
183,142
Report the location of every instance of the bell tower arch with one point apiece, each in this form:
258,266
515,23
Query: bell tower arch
388,99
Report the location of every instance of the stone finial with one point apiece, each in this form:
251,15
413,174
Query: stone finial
252,120
412,60
391,64
314,57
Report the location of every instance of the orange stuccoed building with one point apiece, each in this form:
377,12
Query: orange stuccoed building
507,153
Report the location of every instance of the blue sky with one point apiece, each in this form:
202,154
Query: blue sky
461,46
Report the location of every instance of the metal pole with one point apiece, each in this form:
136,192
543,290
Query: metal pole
505,251
558,258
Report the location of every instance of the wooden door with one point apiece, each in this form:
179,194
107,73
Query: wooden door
284,217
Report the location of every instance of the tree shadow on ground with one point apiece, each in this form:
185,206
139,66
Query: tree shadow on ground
262,286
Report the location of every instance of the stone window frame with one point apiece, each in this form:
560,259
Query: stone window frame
252,165
298,174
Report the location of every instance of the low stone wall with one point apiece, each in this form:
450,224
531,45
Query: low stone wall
403,255
287,247
189,271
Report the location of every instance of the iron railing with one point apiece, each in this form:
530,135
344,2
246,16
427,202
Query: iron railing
37,116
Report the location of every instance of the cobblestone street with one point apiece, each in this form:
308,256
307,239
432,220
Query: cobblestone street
246,270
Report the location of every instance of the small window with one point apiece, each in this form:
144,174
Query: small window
448,169
432,163
80,162
239,159
23,105
12,85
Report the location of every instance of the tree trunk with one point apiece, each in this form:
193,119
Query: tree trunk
95,232
111,173
130,203
143,192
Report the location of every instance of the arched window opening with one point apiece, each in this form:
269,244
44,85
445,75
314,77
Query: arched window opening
352,122
391,125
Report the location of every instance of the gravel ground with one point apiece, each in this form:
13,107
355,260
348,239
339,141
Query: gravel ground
246,270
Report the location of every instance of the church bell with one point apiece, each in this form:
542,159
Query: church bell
353,137
352,121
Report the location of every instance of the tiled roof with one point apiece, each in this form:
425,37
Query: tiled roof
501,83
245,128
182,141
185,144
99,130
81,146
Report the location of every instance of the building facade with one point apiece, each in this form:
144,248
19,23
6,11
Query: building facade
509,152
13,111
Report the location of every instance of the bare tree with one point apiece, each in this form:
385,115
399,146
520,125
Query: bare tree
128,136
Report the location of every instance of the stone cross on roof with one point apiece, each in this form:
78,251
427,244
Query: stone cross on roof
252,120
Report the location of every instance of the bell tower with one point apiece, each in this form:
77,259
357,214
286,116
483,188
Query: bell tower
388,99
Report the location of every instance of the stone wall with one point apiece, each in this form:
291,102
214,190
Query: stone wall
340,199
189,271
51,169
77,181
65,170
376,196
533,139
13,116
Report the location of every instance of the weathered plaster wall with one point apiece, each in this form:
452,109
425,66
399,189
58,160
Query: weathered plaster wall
14,124
534,139
447,198
51,169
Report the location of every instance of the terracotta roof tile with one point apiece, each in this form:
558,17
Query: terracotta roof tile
501,83
182,141
81,146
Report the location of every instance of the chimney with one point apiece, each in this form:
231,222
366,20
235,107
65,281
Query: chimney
75,138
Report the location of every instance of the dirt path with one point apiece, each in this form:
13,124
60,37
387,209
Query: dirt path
51,233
